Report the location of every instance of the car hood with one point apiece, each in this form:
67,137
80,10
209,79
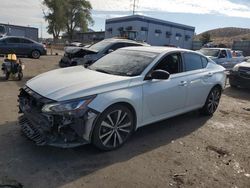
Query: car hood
75,82
244,64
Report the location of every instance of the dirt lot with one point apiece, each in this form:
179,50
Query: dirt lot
185,151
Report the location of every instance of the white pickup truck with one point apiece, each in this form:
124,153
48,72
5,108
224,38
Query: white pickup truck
223,56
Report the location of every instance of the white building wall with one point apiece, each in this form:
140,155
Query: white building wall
151,37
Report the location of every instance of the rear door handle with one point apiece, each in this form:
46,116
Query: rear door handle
183,83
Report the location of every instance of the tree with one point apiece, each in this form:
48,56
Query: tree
78,16
55,16
205,38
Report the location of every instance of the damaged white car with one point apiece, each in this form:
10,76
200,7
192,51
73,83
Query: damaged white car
127,89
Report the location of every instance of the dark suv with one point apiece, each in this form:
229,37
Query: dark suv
22,46
86,56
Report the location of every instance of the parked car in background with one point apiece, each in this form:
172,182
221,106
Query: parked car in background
223,57
22,46
240,75
80,56
122,91
76,44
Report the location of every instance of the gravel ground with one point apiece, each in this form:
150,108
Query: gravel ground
185,151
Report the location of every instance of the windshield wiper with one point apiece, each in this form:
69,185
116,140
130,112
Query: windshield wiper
101,70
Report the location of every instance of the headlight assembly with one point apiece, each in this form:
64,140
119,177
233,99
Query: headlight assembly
67,106
236,67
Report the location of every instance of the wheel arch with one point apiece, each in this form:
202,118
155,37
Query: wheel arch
125,103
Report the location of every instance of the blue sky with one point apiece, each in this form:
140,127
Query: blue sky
202,14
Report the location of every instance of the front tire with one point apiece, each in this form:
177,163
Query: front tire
212,101
113,128
35,54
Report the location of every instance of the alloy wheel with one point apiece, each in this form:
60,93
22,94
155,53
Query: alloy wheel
115,128
213,100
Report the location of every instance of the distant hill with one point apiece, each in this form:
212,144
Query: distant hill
227,35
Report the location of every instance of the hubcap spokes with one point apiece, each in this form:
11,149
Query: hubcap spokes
115,128
213,101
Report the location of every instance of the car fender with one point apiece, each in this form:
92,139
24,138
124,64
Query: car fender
131,96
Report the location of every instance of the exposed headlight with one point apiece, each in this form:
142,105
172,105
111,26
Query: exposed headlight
236,67
67,106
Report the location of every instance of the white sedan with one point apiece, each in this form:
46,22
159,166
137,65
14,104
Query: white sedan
127,89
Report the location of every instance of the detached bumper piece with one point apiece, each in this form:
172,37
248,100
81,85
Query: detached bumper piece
60,130
31,132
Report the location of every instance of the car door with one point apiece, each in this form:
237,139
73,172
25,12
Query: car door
25,46
13,45
199,79
163,97
3,46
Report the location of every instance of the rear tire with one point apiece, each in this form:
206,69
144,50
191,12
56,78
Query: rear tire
113,127
20,76
212,101
7,75
35,54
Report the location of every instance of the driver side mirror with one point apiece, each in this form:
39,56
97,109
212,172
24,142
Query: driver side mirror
160,74
110,50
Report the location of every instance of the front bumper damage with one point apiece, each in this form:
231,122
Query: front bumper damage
61,130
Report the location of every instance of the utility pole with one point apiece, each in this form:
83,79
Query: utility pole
134,8
41,30
134,5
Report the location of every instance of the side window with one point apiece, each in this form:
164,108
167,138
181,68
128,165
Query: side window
171,63
223,54
131,44
26,41
13,40
117,46
192,62
204,62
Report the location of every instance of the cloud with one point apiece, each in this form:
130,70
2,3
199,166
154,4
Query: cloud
223,7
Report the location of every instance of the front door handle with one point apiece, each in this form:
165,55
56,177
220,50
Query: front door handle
210,74
183,83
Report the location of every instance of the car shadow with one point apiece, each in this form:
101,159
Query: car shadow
20,83
21,158
237,93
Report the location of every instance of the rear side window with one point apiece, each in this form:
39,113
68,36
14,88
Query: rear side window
117,46
204,62
131,44
26,41
192,62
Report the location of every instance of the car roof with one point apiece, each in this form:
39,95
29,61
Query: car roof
157,49
217,48
114,40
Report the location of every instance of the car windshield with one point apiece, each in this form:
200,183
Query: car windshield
124,62
210,52
99,46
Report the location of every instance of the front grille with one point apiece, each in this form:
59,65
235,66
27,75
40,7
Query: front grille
30,131
244,68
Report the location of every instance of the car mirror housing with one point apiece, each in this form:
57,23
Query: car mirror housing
160,74
110,50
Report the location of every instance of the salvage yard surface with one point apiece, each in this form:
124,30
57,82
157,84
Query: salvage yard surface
186,151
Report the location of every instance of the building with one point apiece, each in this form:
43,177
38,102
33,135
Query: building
22,31
243,46
89,37
153,31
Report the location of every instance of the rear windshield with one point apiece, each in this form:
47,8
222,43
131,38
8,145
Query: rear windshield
124,62
210,52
